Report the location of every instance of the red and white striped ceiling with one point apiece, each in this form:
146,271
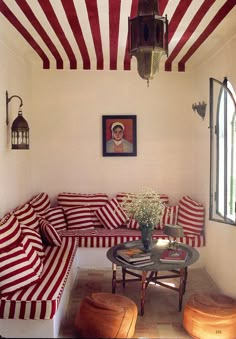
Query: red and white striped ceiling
93,34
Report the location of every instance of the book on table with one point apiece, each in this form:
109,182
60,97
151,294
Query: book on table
137,263
173,255
133,254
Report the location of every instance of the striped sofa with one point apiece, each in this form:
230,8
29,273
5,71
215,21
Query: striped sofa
38,247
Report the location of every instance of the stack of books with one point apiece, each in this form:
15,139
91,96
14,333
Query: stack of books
135,256
173,256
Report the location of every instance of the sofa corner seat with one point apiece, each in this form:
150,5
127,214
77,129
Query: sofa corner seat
38,310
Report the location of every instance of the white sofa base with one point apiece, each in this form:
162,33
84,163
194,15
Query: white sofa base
48,328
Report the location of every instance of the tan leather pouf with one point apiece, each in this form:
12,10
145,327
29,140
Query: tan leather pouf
106,315
210,316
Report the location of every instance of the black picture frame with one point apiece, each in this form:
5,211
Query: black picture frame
126,124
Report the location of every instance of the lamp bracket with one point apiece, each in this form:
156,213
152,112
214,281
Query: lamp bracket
200,108
8,99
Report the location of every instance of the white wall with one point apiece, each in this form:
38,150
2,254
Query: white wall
67,132
220,238
15,170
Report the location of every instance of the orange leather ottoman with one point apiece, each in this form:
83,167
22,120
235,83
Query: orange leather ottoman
106,315
210,316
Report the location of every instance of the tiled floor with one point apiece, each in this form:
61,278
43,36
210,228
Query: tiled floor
161,318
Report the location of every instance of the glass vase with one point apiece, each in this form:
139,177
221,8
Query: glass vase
146,237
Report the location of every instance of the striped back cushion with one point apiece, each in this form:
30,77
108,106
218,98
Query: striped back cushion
10,232
19,267
93,201
40,203
27,216
112,215
79,217
35,239
170,216
56,217
49,234
191,215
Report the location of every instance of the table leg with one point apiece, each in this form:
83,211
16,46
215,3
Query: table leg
182,283
143,289
123,276
185,278
114,278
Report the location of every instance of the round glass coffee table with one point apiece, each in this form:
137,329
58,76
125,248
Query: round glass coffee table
147,274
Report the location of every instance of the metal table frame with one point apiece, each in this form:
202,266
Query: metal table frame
150,273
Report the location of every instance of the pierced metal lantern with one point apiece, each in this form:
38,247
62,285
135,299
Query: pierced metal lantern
148,38
19,128
20,132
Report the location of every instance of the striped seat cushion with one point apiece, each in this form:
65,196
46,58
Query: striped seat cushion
191,215
101,237
93,201
41,300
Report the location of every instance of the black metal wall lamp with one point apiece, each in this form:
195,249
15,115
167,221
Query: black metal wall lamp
19,128
200,108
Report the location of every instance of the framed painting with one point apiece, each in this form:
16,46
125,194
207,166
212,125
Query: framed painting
119,135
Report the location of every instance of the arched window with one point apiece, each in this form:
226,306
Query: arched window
223,151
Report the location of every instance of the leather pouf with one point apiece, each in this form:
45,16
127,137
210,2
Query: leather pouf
106,315
210,316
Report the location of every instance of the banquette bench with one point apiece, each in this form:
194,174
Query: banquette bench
39,245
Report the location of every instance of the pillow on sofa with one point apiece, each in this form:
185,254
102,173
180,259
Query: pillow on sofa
94,201
170,216
19,267
111,215
27,216
40,203
191,215
49,234
35,239
79,218
56,217
10,232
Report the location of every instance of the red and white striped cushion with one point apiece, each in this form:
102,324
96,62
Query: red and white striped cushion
56,218
35,239
10,232
191,215
19,267
111,215
93,201
27,216
49,234
40,203
133,224
79,217
170,216
41,300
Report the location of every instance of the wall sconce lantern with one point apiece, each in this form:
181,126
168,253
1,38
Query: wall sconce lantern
148,38
19,128
200,108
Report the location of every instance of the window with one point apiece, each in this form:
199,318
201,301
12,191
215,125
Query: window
223,151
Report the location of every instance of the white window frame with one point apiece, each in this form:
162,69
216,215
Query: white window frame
222,152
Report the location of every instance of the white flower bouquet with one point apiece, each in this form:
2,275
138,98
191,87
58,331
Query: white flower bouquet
145,207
